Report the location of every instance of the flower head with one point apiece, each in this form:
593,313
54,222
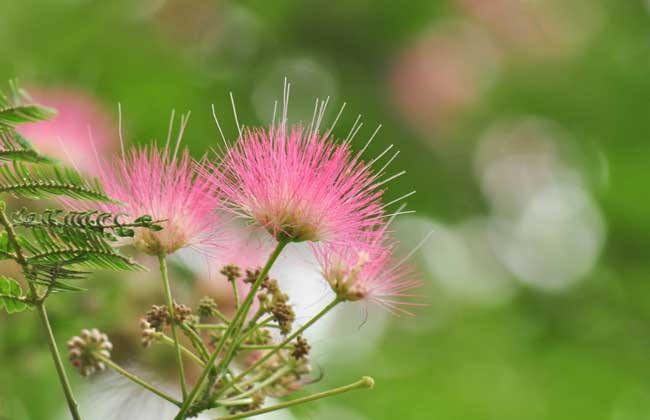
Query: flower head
299,185
367,270
83,350
164,185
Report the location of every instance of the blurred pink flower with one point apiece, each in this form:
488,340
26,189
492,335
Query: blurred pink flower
367,270
442,73
66,136
299,185
535,29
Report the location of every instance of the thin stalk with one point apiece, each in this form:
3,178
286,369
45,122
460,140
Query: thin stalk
364,383
241,313
268,381
243,401
235,293
250,332
42,313
58,363
262,347
172,322
286,341
211,327
187,352
197,342
146,385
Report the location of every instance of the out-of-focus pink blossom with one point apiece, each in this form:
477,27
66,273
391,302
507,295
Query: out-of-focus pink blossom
66,136
535,29
444,72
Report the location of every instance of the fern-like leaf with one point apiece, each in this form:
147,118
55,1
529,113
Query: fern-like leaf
17,107
38,183
14,147
6,250
109,224
76,249
11,296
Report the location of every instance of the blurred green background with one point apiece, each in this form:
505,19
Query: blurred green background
523,126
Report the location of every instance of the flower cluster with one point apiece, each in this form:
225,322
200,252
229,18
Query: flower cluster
302,185
287,184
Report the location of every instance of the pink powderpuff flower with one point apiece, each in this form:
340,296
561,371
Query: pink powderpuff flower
367,270
299,185
164,185
66,136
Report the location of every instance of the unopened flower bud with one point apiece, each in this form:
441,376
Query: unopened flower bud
84,349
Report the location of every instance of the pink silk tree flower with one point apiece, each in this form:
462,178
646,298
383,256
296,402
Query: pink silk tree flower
299,185
164,185
66,136
367,270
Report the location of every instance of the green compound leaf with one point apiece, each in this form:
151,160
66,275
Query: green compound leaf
16,107
75,249
11,296
14,147
37,183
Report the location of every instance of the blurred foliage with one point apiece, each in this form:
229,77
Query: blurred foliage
581,353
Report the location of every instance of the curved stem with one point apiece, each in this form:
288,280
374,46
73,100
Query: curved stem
146,385
172,322
364,383
240,315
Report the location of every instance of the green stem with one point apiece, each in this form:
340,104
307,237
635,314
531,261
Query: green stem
364,383
235,293
286,341
58,363
268,381
196,340
187,352
211,327
252,330
262,347
117,368
172,322
235,402
241,313
42,313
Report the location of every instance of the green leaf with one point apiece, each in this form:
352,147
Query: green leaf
59,286
75,249
11,295
14,147
17,107
6,250
14,115
38,183
109,224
